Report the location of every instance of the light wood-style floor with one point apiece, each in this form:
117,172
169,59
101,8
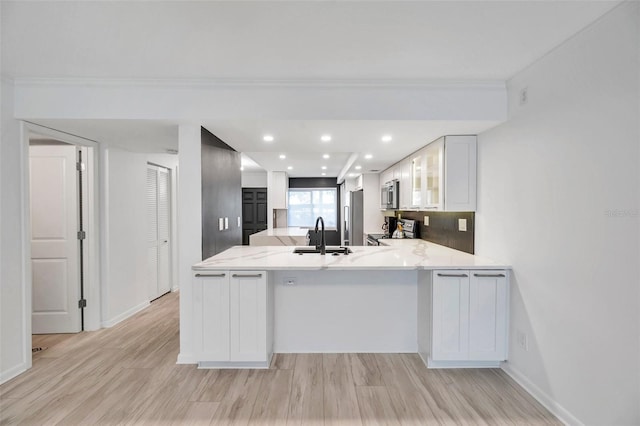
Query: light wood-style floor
127,375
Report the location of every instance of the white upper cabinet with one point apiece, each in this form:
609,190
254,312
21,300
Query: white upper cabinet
434,194
405,185
460,173
441,176
417,180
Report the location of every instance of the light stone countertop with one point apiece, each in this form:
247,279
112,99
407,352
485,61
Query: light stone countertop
398,255
283,232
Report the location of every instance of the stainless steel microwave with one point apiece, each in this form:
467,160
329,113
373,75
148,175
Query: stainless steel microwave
389,195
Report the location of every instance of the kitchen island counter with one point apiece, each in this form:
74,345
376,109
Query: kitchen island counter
291,236
399,255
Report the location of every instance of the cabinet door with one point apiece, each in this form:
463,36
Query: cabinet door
211,316
488,315
405,185
434,197
450,321
417,181
460,173
248,309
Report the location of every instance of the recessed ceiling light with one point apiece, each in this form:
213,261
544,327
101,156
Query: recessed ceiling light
358,167
323,174
267,138
290,168
241,168
325,138
368,156
386,138
352,174
324,167
282,156
325,156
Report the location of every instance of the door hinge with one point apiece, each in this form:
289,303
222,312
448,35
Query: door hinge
82,303
82,235
80,166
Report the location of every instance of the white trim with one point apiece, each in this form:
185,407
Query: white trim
26,249
126,314
224,83
233,364
185,359
461,364
547,401
92,283
13,372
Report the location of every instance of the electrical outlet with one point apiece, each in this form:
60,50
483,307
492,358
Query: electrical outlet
522,340
462,225
426,221
289,281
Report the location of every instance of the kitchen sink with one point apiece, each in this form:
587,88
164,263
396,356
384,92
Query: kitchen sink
329,250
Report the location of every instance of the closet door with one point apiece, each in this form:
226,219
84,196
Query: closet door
164,230
158,230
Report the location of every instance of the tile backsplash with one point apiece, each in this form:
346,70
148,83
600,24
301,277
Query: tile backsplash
443,228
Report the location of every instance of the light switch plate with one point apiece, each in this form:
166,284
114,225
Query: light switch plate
239,222
426,221
462,225
226,223
220,224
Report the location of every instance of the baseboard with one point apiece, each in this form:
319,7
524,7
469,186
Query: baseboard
126,314
185,359
548,402
5,376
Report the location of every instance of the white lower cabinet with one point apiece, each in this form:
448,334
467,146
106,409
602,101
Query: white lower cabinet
230,315
468,318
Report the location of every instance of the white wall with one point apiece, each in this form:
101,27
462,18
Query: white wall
189,226
254,179
548,179
126,279
12,262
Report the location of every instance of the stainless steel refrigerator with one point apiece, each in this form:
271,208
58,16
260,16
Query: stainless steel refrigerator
353,221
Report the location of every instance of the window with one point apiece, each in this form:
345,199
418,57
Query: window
305,205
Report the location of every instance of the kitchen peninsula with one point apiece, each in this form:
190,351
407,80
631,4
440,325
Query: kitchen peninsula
414,296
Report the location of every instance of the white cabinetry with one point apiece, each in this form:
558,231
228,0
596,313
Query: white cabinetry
278,188
231,319
405,185
441,176
460,173
468,318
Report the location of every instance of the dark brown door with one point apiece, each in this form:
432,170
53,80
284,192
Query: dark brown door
254,212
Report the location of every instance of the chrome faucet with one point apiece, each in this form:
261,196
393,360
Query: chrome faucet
323,245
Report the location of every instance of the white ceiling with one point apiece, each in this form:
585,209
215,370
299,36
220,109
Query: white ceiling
292,40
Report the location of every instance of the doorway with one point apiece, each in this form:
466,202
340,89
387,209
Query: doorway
254,212
158,230
60,244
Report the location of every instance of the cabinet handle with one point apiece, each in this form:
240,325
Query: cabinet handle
453,275
246,275
489,275
212,275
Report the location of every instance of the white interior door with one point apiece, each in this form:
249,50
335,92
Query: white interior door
55,249
158,230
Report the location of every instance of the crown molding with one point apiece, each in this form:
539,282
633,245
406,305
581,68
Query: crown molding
264,83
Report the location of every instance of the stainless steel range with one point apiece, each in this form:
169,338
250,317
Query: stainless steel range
409,230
